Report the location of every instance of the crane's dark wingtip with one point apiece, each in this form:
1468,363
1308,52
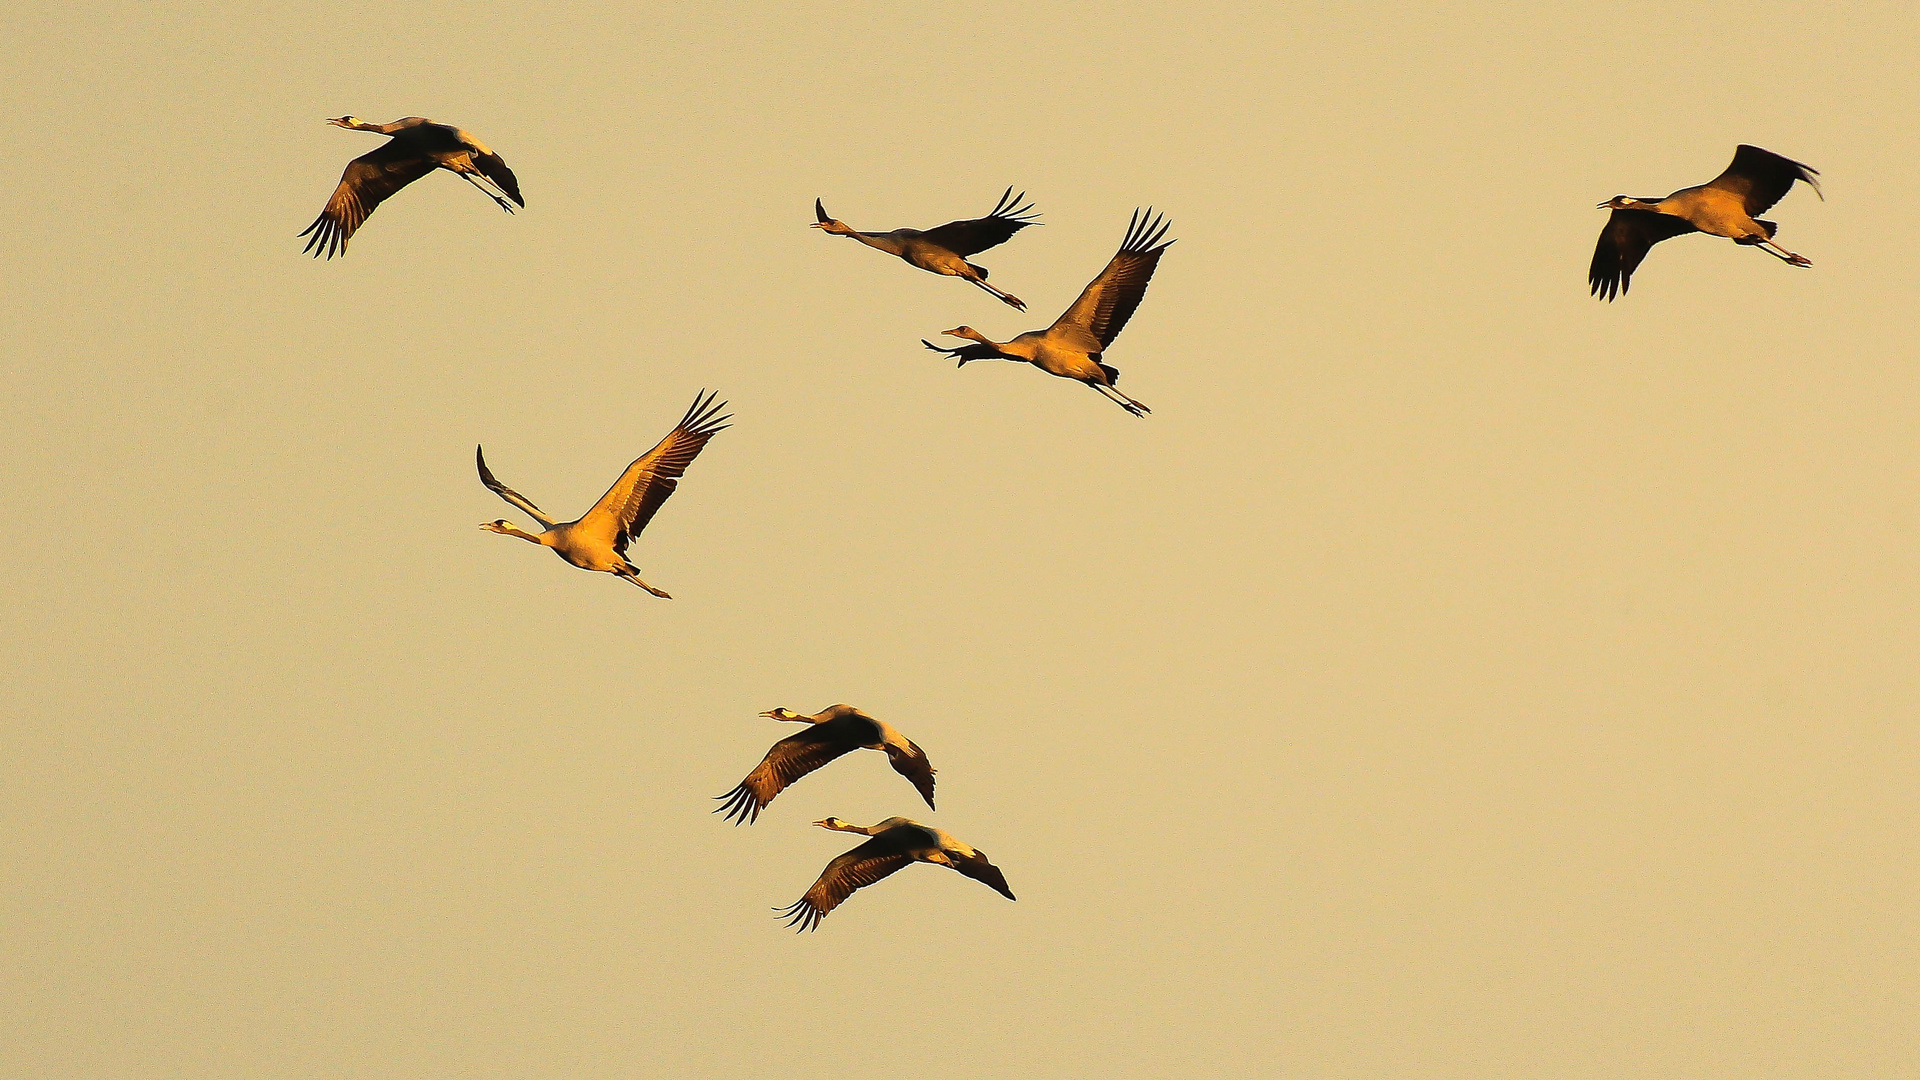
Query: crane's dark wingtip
800,915
741,807
704,413
486,474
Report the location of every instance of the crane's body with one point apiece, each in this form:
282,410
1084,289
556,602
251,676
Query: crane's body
943,250
599,539
834,731
895,844
415,147
1725,206
1069,352
1075,345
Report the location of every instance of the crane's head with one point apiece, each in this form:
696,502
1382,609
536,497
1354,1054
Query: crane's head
967,332
508,528
1623,202
782,714
837,825
825,222
346,121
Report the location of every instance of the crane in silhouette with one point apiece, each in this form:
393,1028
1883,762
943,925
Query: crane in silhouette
944,250
1073,347
1727,206
415,147
895,844
598,541
833,731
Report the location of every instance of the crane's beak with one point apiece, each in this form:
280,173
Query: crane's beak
1604,205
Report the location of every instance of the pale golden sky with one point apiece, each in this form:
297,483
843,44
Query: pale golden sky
1456,678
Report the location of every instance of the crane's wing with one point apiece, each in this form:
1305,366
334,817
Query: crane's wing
1108,301
1629,235
820,212
1762,178
513,497
790,759
978,234
864,865
979,869
912,763
365,184
630,503
494,167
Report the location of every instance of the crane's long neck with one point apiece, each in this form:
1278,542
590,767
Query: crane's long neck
389,128
514,530
886,242
847,826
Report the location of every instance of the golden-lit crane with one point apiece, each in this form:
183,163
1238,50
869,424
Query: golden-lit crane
896,842
944,250
833,731
598,541
417,146
1073,346
1724,206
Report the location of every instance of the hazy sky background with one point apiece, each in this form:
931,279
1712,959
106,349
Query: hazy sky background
1456,677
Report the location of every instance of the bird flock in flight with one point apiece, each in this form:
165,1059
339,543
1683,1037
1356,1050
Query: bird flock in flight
1073,347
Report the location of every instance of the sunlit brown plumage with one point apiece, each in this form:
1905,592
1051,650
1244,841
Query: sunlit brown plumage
1725,206
417,147
598,541
832,732
1073,346
896,843
943,250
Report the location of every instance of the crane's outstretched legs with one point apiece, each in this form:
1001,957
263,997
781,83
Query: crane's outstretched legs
504,204
635,579
1766,244
1785,256
1011,300
1122,400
